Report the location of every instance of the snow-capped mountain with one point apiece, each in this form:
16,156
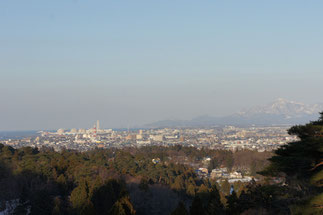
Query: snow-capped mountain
284,107
278,112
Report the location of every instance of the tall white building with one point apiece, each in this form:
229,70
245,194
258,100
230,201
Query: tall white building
97,125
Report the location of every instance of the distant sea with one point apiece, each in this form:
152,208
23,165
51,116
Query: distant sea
17,134
4,135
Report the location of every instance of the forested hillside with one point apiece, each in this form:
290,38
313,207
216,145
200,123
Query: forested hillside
162,180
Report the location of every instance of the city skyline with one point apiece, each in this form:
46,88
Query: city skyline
292,111
67,63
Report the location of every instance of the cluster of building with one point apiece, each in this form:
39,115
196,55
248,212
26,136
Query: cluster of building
228,138
222,173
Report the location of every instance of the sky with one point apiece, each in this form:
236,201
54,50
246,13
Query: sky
67,63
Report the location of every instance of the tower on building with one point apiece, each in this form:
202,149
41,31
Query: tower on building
97,124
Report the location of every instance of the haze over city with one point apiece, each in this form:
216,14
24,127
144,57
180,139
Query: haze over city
68,63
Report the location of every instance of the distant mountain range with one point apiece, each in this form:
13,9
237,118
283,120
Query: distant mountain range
279,112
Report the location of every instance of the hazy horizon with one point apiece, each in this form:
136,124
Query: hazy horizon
65,64
143,125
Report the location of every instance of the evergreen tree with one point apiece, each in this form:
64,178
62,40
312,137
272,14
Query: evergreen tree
233,204
105,196
143,185
122,207
80,198
117,209
57,207
202,192
225,187
301,163
301,159
214,205
190,190
197,207
180,210
41,203
178,183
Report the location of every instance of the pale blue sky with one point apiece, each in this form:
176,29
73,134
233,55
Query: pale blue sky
68,63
